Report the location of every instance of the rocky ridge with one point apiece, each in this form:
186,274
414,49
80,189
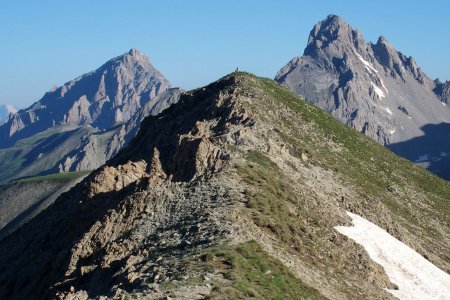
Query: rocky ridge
442,90
238,184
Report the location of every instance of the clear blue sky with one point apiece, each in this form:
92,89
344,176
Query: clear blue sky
45,43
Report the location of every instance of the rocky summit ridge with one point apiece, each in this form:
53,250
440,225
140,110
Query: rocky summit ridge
232,192
375,89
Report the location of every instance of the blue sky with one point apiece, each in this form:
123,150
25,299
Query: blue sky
45,43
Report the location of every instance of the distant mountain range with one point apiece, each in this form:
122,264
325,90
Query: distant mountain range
371,87
81,124
5,112
375,89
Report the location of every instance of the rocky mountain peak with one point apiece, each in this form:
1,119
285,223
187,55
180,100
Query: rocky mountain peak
382,40
371,87
333,35
102,98
137,55
134,52
132,61
134,56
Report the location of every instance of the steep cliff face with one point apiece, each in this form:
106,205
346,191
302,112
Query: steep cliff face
97,148
371,87
105,97
232,192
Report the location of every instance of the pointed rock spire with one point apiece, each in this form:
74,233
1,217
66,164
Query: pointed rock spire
334,37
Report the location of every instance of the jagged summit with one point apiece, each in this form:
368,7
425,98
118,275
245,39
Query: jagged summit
374,88
233,191
134,56
382,40
442,90
333,36
134,52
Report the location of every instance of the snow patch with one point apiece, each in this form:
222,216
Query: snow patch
415,276
443,103
366,63
379,91
384,87
389,111
423,157
392,131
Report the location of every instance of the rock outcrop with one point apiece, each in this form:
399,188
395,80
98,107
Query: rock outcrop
371,87
442,90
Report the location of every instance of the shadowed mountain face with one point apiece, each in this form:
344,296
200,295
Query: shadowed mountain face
83,123
428,149
102,98
233,191
371,87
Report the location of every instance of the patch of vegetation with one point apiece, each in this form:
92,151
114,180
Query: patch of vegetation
254,274
59,177
273,204
232,148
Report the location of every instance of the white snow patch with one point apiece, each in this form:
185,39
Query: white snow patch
379,91
389,111
423,157
409,117
369,70
366,63
415,276
443,103
384,87
392,131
